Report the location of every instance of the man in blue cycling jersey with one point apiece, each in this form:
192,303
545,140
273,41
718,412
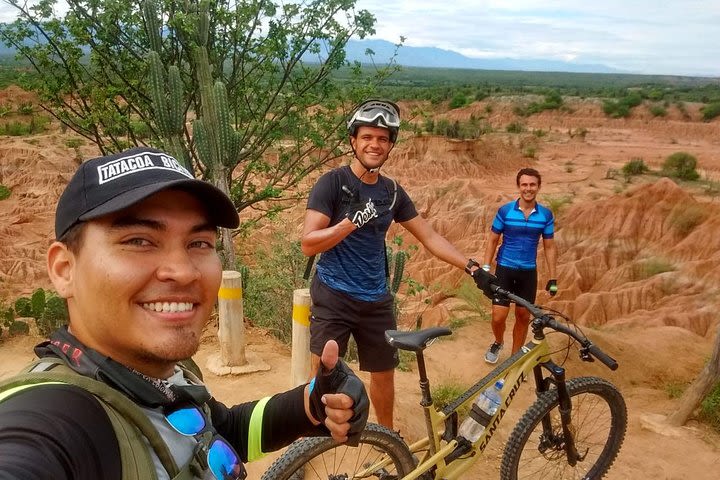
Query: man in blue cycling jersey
521,224
349,212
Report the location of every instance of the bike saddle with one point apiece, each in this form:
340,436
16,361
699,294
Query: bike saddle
414,341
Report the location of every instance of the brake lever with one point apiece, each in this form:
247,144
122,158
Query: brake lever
585,355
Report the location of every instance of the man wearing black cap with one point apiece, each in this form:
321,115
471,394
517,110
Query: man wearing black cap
109,396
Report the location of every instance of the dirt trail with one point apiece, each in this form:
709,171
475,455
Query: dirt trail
660,326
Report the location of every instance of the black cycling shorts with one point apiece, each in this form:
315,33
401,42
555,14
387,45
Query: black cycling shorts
336,315
522,283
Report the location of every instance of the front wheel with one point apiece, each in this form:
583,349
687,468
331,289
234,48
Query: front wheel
536,448
381,454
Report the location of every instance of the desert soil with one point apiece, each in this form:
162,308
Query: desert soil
659,326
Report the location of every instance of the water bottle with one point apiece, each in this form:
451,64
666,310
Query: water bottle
484,407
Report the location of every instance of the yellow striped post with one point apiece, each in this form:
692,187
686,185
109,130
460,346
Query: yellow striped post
300,362
231,329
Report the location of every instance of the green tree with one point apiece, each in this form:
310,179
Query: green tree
242,92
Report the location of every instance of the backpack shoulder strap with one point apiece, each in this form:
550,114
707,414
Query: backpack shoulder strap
130,423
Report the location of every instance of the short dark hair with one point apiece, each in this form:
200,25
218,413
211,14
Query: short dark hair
73,238
531,172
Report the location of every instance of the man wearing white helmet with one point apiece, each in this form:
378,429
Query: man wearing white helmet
349,212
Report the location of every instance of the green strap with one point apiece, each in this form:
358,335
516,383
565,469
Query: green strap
254,438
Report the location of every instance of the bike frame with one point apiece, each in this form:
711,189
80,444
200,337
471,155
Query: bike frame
442,453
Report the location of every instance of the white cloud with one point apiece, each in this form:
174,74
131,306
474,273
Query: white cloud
644,36
666,37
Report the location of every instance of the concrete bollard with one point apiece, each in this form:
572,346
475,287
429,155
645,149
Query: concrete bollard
231,330
300,362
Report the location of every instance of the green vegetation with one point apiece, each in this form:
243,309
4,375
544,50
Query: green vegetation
635,166
471,129
19,128
658,110
74,142
710,408
710,111
446,392
651,267
406,360
674,389
621,108
684,218
681,165
234,72
553,101
4,192
48,310
515,127
474,308
270,282
556,202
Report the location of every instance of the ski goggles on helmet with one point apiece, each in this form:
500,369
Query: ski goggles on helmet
376,112
222,460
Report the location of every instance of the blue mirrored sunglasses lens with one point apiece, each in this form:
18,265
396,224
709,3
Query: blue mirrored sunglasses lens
187,421
223,461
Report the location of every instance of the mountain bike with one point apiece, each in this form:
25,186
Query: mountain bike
573,430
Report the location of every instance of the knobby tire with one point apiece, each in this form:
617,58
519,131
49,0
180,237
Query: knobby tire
599,420
323,458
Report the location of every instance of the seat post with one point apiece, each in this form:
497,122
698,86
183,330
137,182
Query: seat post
426,399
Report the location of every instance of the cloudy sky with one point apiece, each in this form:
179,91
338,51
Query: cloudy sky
641,36
679,37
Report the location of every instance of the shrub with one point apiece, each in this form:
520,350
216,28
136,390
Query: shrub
458,100
25,108
710,111
710,408
515,127
684,218
616,109
681,165
658,110
4,192
18,327
475,307
556,203
651,267
636,166
271,281
74,142
23,308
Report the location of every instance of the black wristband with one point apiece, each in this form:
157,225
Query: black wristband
470,264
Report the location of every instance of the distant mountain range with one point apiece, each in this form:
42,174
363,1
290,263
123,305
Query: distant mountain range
439,58
431,57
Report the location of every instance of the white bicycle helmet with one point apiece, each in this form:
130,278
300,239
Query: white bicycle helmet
376,113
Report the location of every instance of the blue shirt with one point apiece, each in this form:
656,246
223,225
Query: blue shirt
356,265
521,235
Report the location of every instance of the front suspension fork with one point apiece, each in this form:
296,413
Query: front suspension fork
564,407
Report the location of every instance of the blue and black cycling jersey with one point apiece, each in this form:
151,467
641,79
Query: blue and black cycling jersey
521,235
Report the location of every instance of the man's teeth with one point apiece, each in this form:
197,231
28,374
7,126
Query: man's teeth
168,306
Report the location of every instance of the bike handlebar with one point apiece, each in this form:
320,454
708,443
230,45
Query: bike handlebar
548,321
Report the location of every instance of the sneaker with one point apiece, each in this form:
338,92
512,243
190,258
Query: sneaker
493,353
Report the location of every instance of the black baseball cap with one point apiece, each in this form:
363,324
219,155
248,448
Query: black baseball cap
115,182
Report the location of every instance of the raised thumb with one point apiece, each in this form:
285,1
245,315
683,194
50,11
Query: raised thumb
329,355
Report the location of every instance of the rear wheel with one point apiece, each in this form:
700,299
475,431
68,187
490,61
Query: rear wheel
381,454
599,419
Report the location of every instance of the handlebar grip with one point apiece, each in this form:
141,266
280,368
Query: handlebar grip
603,357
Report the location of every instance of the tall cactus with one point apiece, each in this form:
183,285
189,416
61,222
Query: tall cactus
399,260
166,91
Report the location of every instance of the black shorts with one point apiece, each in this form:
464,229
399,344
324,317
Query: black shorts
336,315
522,283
